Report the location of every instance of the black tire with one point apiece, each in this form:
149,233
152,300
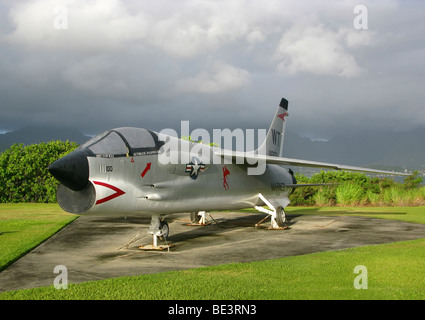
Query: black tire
165,230
280,217
195,217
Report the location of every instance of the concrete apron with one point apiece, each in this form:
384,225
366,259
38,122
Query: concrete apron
93,248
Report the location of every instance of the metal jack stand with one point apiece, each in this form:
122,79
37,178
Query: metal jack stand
159,230
154,245
199,219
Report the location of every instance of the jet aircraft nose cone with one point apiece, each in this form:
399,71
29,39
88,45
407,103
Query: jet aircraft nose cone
71,170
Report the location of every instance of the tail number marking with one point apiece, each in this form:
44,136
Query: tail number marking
276,137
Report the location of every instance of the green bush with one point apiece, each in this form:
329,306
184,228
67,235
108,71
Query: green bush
358,189
23,171
348,194
374,198
325,196
302,196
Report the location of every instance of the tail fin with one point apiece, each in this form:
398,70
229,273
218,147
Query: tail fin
273,145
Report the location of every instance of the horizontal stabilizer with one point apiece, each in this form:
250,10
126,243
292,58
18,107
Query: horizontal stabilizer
298,185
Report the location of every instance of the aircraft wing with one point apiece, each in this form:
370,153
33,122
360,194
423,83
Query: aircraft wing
255,158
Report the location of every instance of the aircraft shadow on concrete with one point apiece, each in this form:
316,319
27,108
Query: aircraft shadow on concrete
222,226
217,226
184,233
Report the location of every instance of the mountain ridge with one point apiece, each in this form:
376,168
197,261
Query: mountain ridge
406,149
33,135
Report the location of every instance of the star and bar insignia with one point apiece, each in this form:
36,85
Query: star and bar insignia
194,169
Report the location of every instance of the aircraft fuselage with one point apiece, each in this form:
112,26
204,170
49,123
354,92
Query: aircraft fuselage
139,183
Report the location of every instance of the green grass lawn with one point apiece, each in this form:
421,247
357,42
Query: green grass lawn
25,226
407,214
394,271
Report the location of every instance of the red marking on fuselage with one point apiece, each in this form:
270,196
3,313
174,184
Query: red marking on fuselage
118,192
226,172
148,167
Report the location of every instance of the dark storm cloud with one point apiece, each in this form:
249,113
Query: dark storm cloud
215,63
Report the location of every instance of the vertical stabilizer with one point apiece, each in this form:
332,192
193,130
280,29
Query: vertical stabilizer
273,145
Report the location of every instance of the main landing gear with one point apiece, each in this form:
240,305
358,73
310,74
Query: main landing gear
278,215
159,230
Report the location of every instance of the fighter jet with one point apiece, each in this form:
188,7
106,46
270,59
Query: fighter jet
122,171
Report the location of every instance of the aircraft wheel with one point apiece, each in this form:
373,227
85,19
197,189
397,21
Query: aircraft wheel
165,230
280,217
195,217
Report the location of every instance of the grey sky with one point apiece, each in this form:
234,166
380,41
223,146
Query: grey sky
219,64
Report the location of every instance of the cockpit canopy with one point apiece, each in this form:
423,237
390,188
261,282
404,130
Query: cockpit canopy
122,142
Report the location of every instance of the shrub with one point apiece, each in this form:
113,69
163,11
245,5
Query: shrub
398,195
325,196
23,171
413,181
358,189
374,198
348,194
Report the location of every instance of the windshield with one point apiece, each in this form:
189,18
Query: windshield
122,142
111,144
137,138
